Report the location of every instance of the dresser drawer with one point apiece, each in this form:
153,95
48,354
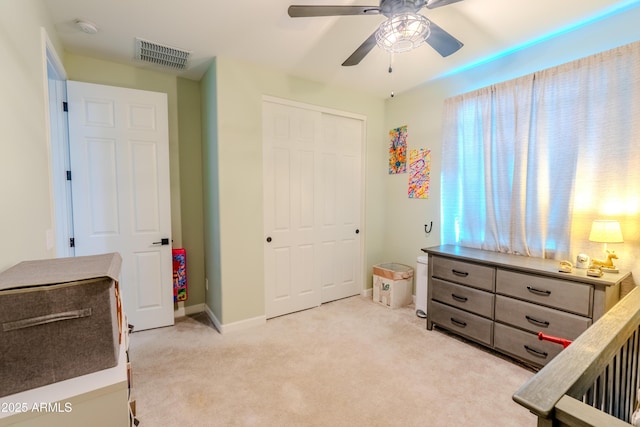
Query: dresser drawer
524,345
466,273
461,322
469,299
536,318
563,294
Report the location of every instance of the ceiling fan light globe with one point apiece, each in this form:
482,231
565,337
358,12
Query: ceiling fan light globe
403,32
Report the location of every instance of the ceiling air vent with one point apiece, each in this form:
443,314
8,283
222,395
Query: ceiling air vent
158,54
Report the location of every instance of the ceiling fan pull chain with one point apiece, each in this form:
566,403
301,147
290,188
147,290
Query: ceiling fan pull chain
391,72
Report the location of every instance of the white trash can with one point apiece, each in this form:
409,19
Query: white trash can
421,286
392,284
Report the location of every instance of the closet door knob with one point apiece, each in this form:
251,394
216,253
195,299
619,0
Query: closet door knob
269,239
357,231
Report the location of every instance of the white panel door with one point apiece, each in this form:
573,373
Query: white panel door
119,149
340,198
290,173
312,207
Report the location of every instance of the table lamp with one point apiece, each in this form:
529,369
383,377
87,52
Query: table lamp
606,231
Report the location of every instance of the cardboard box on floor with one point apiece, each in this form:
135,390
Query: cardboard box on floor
392,284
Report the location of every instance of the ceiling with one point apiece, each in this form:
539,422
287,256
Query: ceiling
260,31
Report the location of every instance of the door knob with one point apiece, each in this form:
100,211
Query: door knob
357,231
162,242
269,239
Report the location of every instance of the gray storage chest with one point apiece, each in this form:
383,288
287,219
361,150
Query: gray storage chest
59,319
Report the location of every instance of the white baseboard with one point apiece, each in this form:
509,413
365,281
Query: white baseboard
235,326
213,318
183,311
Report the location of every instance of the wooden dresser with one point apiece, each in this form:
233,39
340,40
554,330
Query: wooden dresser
502,301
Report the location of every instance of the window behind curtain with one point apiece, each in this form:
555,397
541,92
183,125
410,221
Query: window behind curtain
528,162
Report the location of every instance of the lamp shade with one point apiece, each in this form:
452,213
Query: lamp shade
605,231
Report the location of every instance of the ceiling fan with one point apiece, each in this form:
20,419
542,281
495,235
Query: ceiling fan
444,43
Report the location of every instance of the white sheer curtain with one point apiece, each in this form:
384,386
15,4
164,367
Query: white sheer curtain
524,159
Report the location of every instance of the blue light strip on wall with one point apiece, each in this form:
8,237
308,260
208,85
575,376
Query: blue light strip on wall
618,8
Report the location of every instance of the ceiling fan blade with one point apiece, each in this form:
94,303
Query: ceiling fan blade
444,43
432,4
361,51
296,11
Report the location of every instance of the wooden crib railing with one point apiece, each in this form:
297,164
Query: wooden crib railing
595,380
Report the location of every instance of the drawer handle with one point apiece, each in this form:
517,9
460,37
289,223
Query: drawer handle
538,291
535,321
459,298
459,273
535,352
458,323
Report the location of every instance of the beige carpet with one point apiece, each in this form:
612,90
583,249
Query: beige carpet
347,363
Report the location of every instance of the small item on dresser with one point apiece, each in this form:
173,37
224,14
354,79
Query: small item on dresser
583,261
565,267
606,265
594,271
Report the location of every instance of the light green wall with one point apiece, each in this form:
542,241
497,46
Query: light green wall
190,151
421,110
240,87
184,140
211,189
25,190
90,70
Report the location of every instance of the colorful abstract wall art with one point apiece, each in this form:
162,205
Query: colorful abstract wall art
398,150
419,173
